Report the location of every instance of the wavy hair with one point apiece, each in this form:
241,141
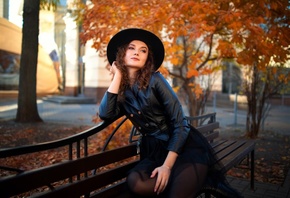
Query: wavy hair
143,75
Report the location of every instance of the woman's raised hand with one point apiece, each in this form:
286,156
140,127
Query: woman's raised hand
115,84
114,68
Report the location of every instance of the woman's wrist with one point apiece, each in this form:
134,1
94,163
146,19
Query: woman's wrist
166,166
115,84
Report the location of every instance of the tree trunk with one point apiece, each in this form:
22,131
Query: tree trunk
195,106
256,92
27,106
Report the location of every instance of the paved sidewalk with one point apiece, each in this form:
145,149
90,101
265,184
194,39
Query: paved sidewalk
81,114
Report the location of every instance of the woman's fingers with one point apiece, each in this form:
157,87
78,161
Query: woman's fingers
113,68
160,185
162,179
154,172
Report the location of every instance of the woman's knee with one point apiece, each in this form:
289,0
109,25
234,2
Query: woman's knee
132,180
140,184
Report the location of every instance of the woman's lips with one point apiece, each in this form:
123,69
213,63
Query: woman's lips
136,59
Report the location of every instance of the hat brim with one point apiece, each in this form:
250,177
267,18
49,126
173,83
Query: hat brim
128,35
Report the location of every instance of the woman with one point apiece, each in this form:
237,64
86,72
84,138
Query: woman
175,158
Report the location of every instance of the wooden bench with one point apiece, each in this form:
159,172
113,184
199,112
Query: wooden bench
103,174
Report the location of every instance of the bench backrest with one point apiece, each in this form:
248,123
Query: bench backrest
78,172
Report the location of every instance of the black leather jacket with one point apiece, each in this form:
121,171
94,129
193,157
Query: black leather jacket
155,111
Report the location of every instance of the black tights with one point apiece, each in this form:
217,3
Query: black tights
185,181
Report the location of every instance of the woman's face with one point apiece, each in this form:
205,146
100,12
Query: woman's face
136,54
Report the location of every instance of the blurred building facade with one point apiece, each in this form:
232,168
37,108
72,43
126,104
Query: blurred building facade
79,71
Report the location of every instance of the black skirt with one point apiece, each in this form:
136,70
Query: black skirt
196,150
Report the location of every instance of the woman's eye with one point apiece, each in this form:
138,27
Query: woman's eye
130,48
144,51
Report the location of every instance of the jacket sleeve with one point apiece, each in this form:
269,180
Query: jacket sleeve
109,108
179,127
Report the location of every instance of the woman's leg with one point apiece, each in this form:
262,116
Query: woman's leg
140,183
187,180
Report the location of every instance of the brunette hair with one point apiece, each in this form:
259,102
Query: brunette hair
143,75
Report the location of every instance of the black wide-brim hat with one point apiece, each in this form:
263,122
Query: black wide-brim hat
128,35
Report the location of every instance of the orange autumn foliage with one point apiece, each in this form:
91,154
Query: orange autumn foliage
197,34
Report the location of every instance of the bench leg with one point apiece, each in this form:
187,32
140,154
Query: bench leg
252,169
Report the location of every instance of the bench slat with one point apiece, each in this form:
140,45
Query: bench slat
223,145
216,143
91,183
208,127
238,155
228,149
211,136
112,191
